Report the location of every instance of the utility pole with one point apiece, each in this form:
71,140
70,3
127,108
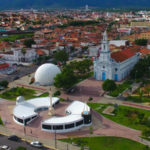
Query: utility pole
55,140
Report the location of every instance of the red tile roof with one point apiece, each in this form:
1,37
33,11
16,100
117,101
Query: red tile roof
40,52
145,51
123,55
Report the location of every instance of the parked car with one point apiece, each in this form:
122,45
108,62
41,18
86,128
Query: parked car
5,147
14,138
36,144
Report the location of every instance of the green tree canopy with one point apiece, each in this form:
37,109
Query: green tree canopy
66,79
141,69
28,43
141,42
4,83
109,85
61,56
81,67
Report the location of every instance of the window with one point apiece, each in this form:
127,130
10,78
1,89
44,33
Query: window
79,123
46,126
116,69
33,117
68,126
103,67
18,119
58,127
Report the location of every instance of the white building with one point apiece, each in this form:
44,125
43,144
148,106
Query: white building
16,55
115,66
78,114
46,73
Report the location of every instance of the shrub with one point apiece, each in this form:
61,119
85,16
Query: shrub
32,80
90,99
61,99
146,132
4,83
57,93
109,85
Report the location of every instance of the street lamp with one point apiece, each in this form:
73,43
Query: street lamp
55,140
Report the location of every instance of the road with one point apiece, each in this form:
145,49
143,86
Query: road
14,145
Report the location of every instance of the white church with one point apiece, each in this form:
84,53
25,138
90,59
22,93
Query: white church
114,66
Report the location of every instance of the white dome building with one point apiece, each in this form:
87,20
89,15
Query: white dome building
45,74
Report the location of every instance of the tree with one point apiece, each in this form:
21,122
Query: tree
141,42
4,83
146,132
141,93
147,90
28,43
109,85
81,67
61,56
66,79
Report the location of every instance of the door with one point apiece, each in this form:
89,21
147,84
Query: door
103,76
116,77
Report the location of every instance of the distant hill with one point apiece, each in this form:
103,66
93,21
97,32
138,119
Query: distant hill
13,4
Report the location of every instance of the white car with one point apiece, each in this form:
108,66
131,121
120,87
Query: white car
36,144
5,147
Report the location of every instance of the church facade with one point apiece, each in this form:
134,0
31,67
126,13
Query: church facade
114,66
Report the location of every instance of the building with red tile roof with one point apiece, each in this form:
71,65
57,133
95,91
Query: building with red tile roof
121,56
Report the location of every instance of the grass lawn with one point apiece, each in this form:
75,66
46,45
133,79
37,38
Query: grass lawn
15,37
131,117
107,143
13,93
138,100
44,94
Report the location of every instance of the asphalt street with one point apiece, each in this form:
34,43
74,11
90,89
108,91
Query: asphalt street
4,141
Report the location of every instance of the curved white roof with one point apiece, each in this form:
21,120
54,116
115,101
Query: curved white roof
75,109
45,74
63,120
28,108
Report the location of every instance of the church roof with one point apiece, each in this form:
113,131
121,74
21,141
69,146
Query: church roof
123,55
